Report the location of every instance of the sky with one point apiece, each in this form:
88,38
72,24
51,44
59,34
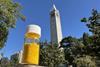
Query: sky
37,12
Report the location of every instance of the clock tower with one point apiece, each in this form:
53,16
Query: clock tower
55,26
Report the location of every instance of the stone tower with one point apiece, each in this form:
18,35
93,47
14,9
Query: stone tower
55,26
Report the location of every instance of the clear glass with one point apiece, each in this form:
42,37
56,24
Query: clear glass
31,40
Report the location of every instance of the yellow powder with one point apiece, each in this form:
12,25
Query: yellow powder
32,35
31,54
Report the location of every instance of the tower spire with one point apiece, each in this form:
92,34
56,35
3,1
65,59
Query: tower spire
52,2
54,7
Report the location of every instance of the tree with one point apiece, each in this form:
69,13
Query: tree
14,60
72,48
93,23
69,41
5,62
9,13
51,56
85,39
3,35
85,61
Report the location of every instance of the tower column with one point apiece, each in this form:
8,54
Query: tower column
55,26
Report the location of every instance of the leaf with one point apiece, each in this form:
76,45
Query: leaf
84,20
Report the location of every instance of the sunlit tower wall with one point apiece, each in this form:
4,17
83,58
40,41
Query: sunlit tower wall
55,26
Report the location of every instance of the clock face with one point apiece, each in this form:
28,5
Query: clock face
52,14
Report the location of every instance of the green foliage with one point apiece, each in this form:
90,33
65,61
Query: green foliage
14,60
69,41
84,19
3,35
93,24
9,13
87,40
85,61
5,62
77,53
51,56
72,48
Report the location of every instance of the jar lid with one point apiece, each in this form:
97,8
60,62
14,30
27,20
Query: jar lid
34,29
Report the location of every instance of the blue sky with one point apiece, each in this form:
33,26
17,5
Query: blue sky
37,12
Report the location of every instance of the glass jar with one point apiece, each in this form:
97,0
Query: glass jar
31,46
